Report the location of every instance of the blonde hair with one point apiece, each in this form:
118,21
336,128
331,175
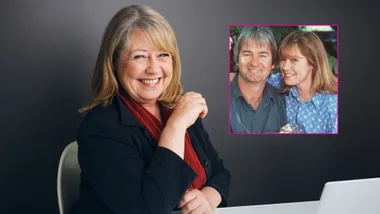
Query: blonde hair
309,44
104,81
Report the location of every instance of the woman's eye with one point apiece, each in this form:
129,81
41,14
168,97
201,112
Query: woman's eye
294,60
164,55
139,57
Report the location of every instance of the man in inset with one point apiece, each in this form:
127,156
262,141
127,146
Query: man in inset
255,105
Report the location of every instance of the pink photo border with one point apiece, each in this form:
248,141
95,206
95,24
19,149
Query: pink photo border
228,79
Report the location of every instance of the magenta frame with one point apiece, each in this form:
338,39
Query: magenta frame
228,80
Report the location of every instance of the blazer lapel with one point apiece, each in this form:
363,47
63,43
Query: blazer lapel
128,119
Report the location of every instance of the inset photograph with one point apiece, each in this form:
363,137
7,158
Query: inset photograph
283,79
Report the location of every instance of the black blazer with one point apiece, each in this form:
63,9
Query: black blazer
123,170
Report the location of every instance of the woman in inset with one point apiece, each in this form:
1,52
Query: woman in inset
142,145
310,86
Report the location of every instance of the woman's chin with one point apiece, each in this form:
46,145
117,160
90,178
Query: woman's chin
149,99
290,83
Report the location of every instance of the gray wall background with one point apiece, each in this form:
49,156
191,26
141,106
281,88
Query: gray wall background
48,50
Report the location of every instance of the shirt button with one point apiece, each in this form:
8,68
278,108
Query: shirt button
205,163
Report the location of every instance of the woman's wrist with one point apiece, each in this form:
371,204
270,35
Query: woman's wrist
176,124
172,138
212,195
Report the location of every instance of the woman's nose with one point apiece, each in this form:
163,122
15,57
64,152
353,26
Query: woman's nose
152,66
285,65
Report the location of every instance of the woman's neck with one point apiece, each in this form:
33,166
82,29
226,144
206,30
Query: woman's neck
154,109
304,89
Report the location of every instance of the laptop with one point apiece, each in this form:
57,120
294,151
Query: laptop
351,197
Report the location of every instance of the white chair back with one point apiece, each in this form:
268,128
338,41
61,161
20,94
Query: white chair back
68,179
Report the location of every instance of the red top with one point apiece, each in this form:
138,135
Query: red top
155,128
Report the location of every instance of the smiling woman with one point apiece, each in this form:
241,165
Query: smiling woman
310,86
142,147
145,71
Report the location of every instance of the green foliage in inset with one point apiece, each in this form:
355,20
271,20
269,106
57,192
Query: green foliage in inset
281,32
235,31
332,63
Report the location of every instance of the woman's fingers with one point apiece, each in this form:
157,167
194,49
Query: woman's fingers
189,108
204,111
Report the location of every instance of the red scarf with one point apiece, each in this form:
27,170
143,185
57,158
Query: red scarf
155,128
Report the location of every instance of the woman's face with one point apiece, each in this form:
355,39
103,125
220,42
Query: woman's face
295,67
144,71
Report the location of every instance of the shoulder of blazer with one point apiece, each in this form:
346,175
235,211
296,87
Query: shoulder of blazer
100,120
113,114
113,121
105,114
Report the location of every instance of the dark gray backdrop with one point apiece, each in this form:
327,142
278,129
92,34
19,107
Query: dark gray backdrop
48,50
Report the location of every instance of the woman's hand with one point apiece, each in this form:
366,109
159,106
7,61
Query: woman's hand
195,202
189,107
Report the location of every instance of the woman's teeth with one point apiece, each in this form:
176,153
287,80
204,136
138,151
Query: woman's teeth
150,81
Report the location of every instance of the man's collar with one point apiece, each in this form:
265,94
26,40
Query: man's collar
268,94
234,88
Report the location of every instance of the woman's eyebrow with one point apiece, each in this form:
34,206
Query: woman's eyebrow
143,50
